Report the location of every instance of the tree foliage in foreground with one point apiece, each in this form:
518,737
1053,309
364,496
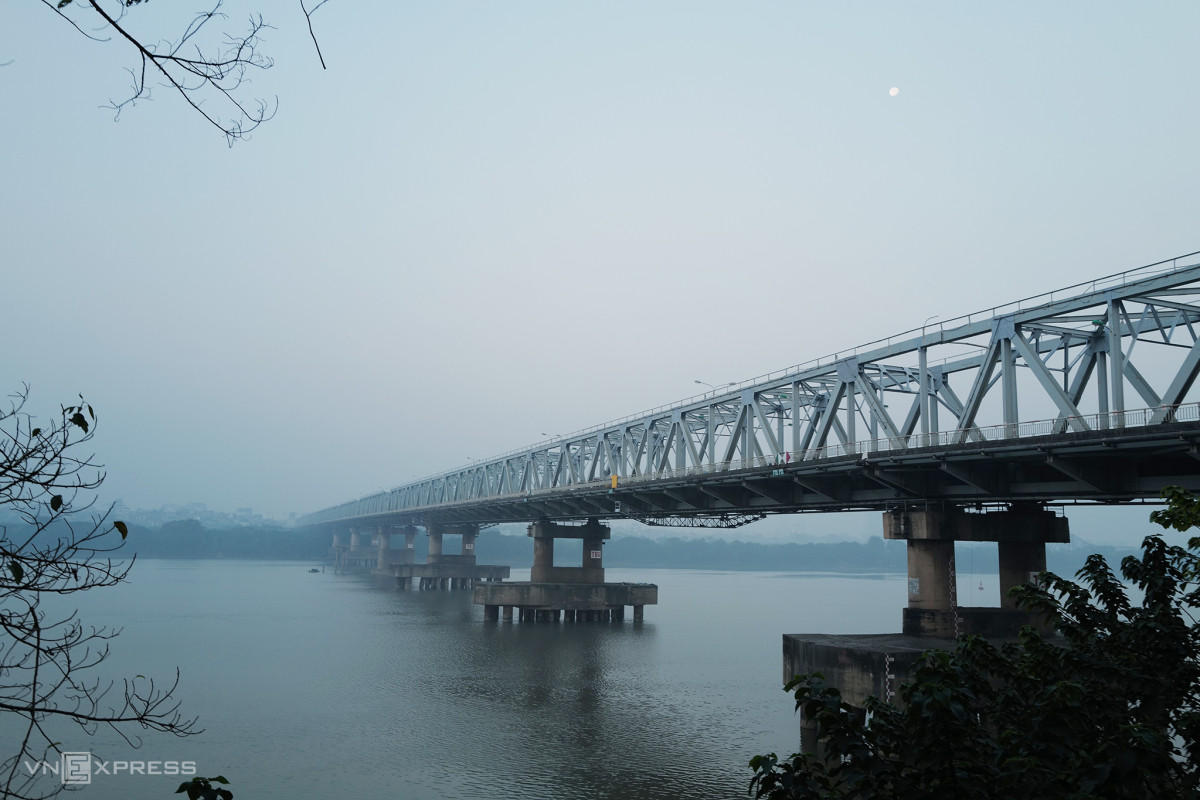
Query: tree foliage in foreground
203,789
47,657
1106,711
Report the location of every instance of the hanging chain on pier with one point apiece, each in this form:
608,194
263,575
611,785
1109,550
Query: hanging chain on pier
888,694
721,521
954,601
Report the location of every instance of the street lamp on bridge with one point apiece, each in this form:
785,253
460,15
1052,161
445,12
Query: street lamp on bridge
714,388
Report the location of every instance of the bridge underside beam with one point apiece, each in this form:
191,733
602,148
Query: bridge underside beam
1101,466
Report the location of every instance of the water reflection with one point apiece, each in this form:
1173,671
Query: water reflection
312,686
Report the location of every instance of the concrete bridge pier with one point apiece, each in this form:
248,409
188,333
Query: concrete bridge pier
1021,533
444,571
402,558
336,550
383,541
877,664
434,532
359,555
576,594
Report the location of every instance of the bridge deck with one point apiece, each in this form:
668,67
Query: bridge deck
929,415
1098,466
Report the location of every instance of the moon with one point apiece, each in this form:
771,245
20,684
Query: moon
893,91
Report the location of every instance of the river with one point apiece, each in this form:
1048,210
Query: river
320,685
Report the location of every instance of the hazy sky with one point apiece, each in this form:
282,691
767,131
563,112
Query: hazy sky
487,221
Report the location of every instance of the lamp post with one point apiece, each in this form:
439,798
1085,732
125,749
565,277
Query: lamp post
714,388
923,370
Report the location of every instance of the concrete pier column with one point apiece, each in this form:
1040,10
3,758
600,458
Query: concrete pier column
543,551
405,556
355,539
384,558
507,613
930,533
639,613
808,735
929,566
336,550
491,612
435,543
469,534
594,535
1020,563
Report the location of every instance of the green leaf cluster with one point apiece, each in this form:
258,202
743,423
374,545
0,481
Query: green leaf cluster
1106,708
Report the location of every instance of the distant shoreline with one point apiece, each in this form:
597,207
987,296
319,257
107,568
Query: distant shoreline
189,539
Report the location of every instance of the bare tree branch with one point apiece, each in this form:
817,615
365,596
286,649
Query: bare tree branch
56,546
308,16
199,72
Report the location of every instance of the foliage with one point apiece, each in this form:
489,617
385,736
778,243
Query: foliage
1106,710
59,548
203,789
190,539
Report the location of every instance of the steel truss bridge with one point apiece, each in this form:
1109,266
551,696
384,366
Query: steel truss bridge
1081,395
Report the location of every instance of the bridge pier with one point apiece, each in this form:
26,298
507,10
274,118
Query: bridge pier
354,557
580,591
443,571
877,664
1021,533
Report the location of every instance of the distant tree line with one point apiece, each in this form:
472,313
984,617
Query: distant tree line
190,539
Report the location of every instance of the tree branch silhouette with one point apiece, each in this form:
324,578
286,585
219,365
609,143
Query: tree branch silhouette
211,76
52,543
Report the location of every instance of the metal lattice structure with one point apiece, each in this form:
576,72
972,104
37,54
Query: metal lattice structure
1112,362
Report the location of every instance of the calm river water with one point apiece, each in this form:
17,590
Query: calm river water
320,685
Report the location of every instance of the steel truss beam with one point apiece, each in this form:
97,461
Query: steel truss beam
1064,358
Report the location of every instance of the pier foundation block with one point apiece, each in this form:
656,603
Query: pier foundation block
573,594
